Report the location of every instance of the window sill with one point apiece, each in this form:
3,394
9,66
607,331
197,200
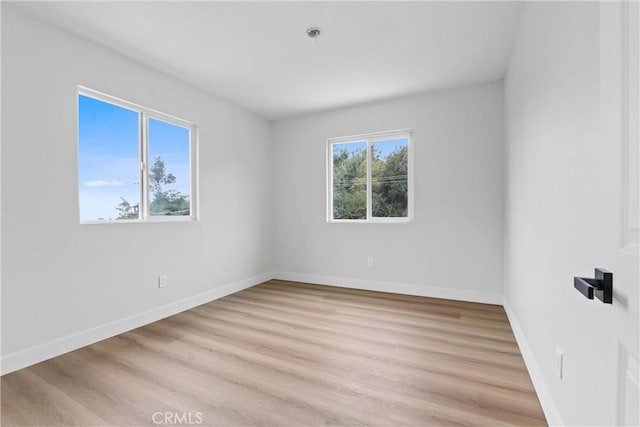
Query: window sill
167,219
371,221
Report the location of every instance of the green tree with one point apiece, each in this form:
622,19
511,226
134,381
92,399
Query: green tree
350,184
389,183
126,210
158,176
388,178
164,201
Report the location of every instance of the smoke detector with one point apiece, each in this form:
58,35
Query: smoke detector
313,32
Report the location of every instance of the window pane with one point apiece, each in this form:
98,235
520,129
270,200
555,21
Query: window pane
350,180
108,161
389,179
169,169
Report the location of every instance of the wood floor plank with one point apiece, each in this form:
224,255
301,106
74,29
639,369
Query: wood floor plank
35,402
449,332
291,354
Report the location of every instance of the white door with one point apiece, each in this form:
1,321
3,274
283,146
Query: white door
619,91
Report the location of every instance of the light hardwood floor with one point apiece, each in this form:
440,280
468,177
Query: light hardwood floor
290,354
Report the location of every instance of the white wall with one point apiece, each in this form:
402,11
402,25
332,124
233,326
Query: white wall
453,248
563,216
64,284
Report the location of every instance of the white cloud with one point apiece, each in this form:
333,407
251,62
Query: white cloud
102,183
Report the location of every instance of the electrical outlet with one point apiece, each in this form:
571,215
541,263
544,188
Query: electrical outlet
370,261
559,362
162,281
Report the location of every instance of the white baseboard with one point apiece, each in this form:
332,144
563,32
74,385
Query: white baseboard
548,406
396,288
30,356
24,358
36,354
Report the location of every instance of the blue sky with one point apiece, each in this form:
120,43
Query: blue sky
171,142
351,147
108,156
383,147
386,147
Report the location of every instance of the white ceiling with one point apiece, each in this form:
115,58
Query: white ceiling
257,54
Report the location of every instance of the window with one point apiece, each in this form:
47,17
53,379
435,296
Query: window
369,178
134,164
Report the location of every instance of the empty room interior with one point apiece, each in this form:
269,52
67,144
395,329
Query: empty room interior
320,213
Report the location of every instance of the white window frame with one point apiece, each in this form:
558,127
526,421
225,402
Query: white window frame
144,114
371,138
